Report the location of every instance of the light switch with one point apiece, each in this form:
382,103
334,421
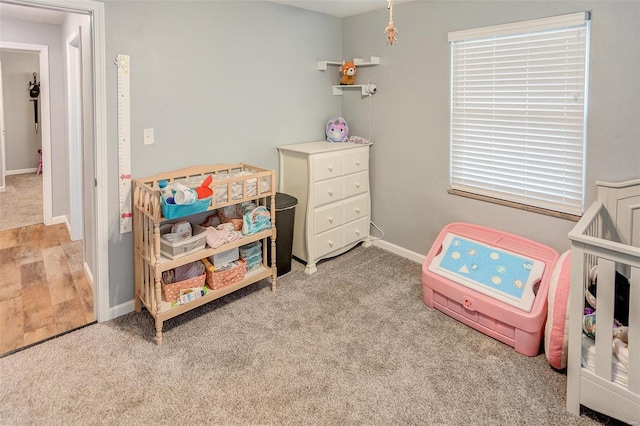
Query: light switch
148,136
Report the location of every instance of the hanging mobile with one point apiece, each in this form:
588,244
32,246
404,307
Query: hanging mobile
391,30
34,92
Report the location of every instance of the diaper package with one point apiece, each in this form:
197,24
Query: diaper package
256,220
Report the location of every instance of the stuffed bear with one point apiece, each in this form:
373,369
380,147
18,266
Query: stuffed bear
347,73
337,130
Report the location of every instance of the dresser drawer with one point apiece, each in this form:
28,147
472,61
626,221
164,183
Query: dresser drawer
327,192
356,184
356,161
355,231
356,208
327,167
326,218
328,241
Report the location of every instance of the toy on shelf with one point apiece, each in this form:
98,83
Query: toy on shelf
337,130
348,72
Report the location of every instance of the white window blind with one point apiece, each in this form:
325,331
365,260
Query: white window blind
518,111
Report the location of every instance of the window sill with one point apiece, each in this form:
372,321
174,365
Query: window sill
560,215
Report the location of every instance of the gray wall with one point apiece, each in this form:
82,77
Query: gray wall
21,140
410,113
220,82
18,31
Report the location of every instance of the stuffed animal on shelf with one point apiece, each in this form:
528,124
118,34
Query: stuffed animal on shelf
348,73
337,130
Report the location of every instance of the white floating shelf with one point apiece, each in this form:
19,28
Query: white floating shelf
337,90
322,65
375,60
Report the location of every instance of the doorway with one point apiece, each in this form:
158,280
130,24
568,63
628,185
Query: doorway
95,180
45,291
44,123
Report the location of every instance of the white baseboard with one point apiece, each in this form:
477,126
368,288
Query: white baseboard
400,251
121,309
20,171
59,219
67,224
89,274
127,307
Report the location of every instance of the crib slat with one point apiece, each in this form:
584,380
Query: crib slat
604,315
634,331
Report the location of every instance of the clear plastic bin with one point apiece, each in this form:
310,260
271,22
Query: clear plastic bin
249,250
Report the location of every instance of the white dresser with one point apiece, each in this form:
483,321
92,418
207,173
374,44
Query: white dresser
331,182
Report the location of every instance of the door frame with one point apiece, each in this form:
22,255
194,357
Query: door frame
73,45
100,271
3,162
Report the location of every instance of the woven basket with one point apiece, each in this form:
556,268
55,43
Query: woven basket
218,279
237,223
171,292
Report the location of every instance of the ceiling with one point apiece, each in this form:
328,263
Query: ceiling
338,8
32,14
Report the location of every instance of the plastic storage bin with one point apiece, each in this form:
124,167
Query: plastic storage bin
174,211
176,249
250,249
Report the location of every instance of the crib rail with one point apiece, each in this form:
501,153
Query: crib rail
594,243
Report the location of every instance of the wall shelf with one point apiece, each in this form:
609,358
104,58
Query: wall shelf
337,90
375,60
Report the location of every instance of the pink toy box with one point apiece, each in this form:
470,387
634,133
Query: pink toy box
492,281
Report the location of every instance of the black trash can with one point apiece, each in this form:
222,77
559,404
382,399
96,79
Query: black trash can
285,218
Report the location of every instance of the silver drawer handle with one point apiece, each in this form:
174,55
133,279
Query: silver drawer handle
330,219
331,192
357,209
330,243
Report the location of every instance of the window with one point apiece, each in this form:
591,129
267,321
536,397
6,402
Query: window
518,113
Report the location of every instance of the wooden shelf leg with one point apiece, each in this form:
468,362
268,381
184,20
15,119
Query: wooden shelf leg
158,307
158,337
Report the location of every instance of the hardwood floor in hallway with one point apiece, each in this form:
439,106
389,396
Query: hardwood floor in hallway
43,287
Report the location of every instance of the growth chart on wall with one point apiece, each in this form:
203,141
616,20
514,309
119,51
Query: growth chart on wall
124,143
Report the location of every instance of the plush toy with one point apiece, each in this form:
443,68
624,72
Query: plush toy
337,130
347,73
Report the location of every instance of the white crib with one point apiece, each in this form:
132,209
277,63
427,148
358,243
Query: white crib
608,235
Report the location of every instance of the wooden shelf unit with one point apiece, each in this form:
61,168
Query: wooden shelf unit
149,264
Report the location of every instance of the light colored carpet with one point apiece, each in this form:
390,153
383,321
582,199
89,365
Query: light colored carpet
21,202
352,344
